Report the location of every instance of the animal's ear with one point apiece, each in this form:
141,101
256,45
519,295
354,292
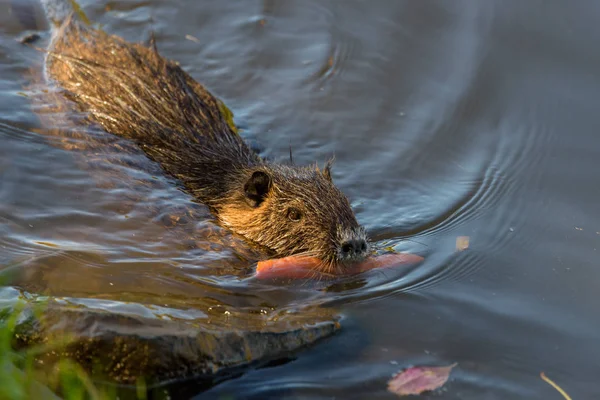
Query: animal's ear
257,187
327,169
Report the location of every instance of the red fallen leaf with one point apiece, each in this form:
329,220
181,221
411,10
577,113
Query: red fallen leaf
307,267
417,380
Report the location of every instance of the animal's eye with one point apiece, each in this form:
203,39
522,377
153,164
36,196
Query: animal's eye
294,214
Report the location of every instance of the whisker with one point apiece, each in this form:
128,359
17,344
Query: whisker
414,241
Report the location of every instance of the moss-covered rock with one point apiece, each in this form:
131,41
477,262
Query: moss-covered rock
126,347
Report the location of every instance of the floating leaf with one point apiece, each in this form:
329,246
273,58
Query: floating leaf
417,380
462,243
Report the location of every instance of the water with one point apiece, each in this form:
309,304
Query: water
446,119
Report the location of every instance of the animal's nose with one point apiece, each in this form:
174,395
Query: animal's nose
354,248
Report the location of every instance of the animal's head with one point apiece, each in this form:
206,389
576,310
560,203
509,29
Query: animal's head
296,211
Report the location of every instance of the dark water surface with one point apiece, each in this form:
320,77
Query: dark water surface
447,119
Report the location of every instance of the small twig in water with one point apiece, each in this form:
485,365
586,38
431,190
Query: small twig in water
555,386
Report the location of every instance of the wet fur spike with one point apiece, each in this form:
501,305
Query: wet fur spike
133,92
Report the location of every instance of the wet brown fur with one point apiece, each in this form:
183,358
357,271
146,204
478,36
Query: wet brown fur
135,93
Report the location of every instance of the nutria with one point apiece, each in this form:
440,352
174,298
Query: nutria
133,92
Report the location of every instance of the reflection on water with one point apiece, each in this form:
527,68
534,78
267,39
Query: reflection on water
446,119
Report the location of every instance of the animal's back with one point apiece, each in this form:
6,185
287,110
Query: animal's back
129,88
133,92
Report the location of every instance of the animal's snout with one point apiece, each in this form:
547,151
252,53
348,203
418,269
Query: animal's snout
354,249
